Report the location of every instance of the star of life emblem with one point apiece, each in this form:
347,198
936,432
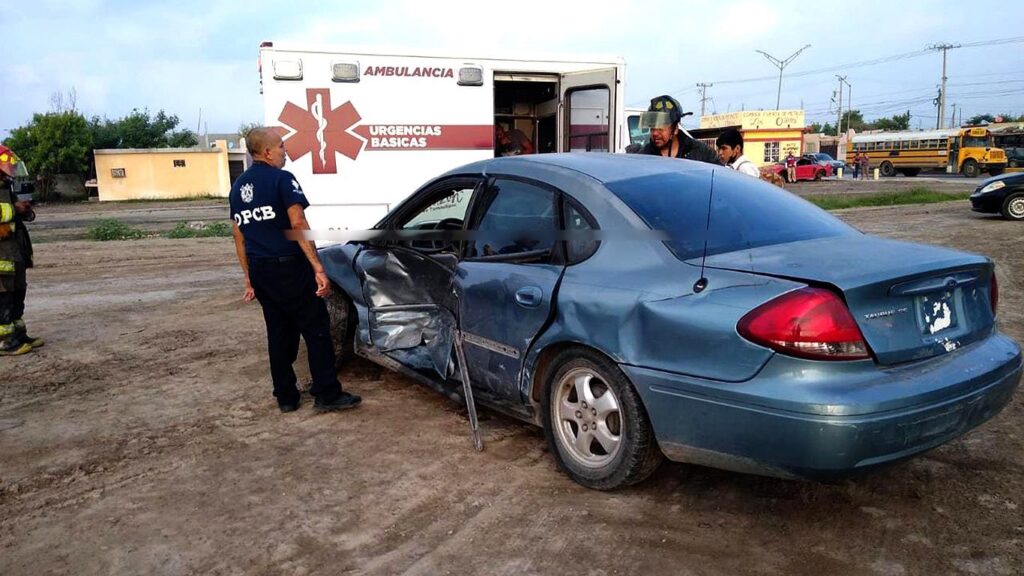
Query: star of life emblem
246,191
298,189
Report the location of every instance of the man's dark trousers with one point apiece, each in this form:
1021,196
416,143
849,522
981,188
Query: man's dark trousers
286,289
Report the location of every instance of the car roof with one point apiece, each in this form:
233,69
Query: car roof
605,168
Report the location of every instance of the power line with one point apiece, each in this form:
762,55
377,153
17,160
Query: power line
861,63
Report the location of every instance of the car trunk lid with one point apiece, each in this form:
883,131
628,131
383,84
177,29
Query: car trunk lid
911,301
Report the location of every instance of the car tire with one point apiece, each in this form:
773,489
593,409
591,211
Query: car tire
887,169
343,326
1013,206
819,174
970,169
585,389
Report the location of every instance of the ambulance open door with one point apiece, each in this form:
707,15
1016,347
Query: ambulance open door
587,122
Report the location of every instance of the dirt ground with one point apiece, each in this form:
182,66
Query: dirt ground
143,439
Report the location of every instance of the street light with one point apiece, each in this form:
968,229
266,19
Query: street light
781,64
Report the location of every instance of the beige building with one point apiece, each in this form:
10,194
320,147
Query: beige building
167,173
768,135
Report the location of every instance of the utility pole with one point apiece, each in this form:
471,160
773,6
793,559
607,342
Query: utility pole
839,119
942,91
781,65
703,95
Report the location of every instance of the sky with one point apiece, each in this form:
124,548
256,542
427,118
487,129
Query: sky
197,59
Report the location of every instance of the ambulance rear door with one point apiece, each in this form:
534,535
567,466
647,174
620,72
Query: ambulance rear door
590,100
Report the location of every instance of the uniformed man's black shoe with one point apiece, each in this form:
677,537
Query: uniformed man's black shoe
342,402
288,406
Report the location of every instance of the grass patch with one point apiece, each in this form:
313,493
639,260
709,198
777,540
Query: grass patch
912,196
113,229
200,230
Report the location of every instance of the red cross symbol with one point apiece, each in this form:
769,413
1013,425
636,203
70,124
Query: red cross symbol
321,131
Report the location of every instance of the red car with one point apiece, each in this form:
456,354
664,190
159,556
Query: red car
807,168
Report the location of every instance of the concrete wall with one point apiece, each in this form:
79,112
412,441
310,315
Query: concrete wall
151,174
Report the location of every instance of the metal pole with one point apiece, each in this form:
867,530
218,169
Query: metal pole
942,91
703,95
849,105
467,391
781,64
942,101
839,115
778,95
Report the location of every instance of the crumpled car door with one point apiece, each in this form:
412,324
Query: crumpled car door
411,307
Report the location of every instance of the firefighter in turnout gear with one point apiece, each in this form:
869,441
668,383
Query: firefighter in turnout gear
15,258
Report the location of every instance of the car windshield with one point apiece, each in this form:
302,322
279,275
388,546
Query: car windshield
745,213
823,156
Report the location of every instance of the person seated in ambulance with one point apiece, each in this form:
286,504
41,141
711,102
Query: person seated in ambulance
511,142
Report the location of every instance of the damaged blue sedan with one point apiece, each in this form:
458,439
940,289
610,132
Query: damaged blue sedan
639,308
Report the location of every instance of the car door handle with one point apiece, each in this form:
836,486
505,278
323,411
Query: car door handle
529,296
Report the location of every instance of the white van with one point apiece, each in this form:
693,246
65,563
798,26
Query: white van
364,129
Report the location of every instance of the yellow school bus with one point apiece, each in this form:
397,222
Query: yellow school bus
968,151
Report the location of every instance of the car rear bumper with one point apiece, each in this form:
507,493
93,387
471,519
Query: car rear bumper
919,408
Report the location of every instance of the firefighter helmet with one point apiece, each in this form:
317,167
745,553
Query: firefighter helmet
8,161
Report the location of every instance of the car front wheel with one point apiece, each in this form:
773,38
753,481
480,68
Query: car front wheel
595,423
1013,206
343,324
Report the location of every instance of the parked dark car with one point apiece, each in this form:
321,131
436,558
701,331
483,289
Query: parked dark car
827,160
1002,194
757,333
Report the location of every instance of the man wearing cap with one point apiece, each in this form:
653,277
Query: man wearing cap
15,257
668,138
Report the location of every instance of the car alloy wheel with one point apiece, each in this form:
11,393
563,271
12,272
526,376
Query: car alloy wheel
596,423
589,421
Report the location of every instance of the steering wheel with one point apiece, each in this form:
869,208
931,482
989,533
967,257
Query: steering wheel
446,224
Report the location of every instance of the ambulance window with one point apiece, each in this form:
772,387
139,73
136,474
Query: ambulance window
589,130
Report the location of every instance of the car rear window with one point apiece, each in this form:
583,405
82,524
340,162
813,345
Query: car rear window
745,212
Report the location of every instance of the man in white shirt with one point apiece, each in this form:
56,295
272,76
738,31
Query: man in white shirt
730,150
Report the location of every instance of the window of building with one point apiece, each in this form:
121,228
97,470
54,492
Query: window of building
771,151
179,163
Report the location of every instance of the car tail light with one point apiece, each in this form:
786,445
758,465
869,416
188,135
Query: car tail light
809,323
993,292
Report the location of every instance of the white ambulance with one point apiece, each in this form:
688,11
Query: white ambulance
364,129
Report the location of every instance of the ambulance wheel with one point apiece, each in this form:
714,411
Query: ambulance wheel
343,326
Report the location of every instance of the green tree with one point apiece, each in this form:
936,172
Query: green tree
897,122
980,118
51,144
141,130
245,127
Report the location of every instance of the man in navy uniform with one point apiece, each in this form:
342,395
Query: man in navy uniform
286,276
